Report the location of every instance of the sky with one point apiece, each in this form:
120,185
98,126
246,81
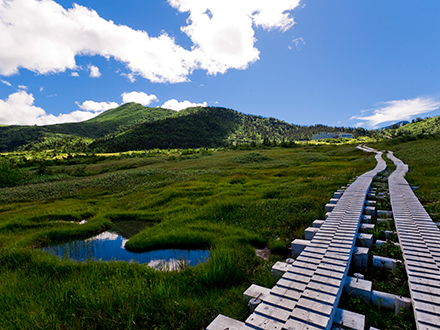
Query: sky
339,63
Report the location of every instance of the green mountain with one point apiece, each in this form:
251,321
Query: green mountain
111,122
209,127
135,127
125,117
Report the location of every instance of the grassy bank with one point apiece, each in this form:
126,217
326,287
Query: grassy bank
228,201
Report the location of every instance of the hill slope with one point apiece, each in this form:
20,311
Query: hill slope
204,128
111,122
133,127
427,126
126,116
208,127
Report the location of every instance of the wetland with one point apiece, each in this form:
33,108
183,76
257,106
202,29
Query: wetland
228,202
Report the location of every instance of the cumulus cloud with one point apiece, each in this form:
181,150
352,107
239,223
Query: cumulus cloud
398,110
139,97
94,71
23,87
19,109
44,37
177,106
74,74
97,106
223,31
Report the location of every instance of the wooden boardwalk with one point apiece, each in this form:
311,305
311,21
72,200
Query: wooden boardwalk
420,242
307,295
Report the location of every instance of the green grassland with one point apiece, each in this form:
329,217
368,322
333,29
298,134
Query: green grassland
229,201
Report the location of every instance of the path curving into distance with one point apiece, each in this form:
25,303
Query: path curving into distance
420,243
307,295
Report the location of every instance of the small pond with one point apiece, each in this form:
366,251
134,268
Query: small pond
109,246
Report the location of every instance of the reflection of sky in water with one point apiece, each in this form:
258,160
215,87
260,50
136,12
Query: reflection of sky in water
110,246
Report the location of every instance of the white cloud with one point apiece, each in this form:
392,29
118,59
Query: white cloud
7,83
44,37
139,97
399,110
299,41
177,106
72,117
97,106
130,76
223,31
75,74
23,87
19,109
104,236
94,71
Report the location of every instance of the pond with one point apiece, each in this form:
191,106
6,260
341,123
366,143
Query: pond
110,246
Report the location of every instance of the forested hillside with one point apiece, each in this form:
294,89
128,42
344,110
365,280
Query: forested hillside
418,126
209,127
111,122
135,127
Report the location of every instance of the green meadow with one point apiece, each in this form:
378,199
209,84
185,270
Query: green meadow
231,202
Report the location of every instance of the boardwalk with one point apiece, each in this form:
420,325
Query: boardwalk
420,242
307,295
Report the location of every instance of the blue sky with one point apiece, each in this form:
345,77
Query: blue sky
339,63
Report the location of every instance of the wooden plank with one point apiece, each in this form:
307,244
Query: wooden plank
310,317
261,322
269,311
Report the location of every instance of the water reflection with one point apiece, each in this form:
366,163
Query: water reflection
111,246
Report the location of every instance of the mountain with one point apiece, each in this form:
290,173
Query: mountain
111,122
126,116
396,125
209,127
191,129
135,127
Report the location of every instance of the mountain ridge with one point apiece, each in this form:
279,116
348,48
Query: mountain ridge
132,125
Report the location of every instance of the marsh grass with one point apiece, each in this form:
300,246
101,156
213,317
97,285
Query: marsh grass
378,317
252,157
209,201
117,295
388,250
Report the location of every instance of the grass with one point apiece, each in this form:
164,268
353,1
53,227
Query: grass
385,280
377,317
182,200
